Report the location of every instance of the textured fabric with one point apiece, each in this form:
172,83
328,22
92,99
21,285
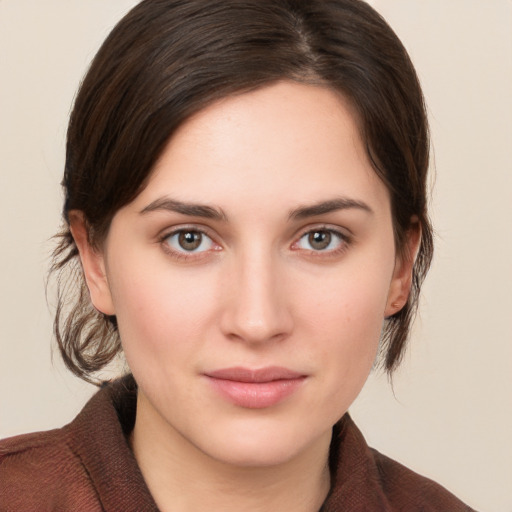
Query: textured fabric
88,466
85,466
365,480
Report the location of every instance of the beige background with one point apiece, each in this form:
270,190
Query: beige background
451,413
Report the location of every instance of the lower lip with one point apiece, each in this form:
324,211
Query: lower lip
256,395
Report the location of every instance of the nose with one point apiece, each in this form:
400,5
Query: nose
257,306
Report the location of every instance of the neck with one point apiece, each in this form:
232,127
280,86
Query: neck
182,478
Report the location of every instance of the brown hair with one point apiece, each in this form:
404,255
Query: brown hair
168,59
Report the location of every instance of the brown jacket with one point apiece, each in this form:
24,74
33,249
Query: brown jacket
88,466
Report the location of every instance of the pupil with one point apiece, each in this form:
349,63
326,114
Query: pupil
320,239
190,240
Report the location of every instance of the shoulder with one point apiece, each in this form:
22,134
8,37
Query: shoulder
412,491
364,479
85,466
39,471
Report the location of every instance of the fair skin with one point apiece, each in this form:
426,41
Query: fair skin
263,241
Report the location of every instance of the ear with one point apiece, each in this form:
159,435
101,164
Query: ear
400,286
93,264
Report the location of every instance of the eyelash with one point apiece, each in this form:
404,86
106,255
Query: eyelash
344,242
184,255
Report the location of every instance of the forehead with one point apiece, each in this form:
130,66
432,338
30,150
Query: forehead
286,143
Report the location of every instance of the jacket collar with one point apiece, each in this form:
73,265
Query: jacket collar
99,437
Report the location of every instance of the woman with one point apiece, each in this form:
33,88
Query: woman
246,214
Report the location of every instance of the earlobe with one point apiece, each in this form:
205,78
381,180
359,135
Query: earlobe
401,282
93,265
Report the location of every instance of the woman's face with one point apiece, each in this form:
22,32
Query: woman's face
251,277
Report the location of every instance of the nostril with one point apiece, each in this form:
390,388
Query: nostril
271,324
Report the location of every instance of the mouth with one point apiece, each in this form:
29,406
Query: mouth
256,388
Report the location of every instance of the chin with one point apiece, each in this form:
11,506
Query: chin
261,456
263,445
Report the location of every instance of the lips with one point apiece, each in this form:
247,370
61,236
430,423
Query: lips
255,388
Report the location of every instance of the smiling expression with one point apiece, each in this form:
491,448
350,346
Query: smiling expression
251,277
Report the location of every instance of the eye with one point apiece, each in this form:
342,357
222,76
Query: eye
324,240
189,241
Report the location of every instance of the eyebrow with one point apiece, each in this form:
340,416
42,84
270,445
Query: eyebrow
332,205
209,212
190,209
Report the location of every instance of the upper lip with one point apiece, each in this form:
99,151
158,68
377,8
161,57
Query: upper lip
267,374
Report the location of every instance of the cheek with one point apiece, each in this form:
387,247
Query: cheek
345,318
159,311
351,301
352,320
